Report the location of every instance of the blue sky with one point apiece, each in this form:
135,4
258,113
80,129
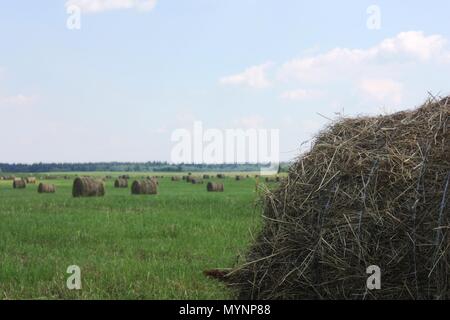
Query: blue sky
138,69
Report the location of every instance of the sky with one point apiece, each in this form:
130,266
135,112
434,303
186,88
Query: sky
116,88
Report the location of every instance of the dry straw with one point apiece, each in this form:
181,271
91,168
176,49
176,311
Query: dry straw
46,188
214,187
19,184
372,191
88,187
121,183
30,180
147,186
195,180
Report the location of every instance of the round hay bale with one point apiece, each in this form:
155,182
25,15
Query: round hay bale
189,179
372,191
196,180
154,179
88,187
121,183
206,176
239,178
176,178
214,187
220,176
30,180
46,188
146,186
19,184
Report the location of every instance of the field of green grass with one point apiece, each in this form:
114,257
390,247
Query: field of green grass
128,247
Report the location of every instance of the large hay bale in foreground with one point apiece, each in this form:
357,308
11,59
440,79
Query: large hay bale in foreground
19,184
146,186
214,187
372,191
121,183
88,187
46,188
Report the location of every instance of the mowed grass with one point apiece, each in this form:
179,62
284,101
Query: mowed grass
128,247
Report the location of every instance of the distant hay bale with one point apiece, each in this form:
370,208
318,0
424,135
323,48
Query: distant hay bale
196,180
146,186
175,178
239,178
121,183
19,184
220,176
46,188
189,179
88,187
214,187
184,177
125,176
30,180
206,176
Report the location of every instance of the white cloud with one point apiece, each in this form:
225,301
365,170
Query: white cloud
344,62
95,6
302,94
383,90
254,77
17,100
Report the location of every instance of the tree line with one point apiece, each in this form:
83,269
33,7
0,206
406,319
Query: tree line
131,167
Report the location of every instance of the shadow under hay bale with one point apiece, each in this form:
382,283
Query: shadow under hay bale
146,186
214,187
88,187
46,188
19,184
121,183
372,191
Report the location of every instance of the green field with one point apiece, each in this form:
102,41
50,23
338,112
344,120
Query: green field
128,247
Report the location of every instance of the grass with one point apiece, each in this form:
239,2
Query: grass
128,247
